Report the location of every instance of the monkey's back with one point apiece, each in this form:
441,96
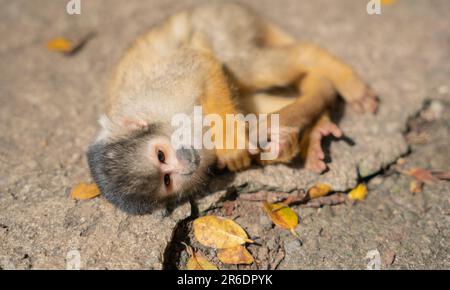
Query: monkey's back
230,28
167,61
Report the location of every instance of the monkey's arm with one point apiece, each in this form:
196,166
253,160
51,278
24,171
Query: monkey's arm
217,99
317,74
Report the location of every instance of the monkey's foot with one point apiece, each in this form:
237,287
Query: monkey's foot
315,157
366,102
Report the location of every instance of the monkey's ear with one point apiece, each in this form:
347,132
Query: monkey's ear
107,127
134,124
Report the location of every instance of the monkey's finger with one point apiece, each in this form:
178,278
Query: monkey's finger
254,151
357,107
320,154
370,104
243,161
235,165
221,164
332,129
231,165
247,161
336,131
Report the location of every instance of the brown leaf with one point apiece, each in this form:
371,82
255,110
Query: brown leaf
197,261
219,233
235,256
228,207
388,257
423,175
85,191
443,175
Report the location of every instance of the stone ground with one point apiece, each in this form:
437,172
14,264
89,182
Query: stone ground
50,104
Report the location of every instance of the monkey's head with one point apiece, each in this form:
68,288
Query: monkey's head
142,170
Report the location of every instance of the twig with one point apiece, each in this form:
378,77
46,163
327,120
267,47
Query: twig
333,199
286,197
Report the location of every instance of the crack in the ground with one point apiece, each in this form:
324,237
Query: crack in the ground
180,234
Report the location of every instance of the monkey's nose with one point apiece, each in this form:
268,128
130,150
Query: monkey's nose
191,157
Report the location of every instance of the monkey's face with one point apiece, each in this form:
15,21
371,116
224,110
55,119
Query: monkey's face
177,168
140,172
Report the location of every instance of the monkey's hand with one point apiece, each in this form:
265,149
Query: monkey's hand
233,159
282,146
236,158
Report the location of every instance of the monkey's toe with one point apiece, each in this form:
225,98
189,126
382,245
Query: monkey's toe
368,102
315,159
315,156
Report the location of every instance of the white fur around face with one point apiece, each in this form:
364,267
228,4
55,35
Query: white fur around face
106,128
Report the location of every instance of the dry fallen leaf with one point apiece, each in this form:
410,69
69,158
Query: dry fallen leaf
388,2
416,186
219,233
423,175
197,261
388,257
60,44
235,256
282,215
318,190
443,175
358,193
228,207
85,191
71,43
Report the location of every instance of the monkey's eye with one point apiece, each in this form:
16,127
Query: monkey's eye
161,156
167,179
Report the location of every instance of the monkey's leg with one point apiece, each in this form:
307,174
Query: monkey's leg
311,143
217,99
317,95
345,80
281,61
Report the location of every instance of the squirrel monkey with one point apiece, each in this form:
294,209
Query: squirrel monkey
212,56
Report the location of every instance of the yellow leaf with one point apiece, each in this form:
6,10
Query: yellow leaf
197,261
60,45
415,186
219,233
358,193
318,190
388,2
85,191
282,215
236,255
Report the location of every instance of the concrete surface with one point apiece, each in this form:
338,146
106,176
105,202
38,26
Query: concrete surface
50,104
